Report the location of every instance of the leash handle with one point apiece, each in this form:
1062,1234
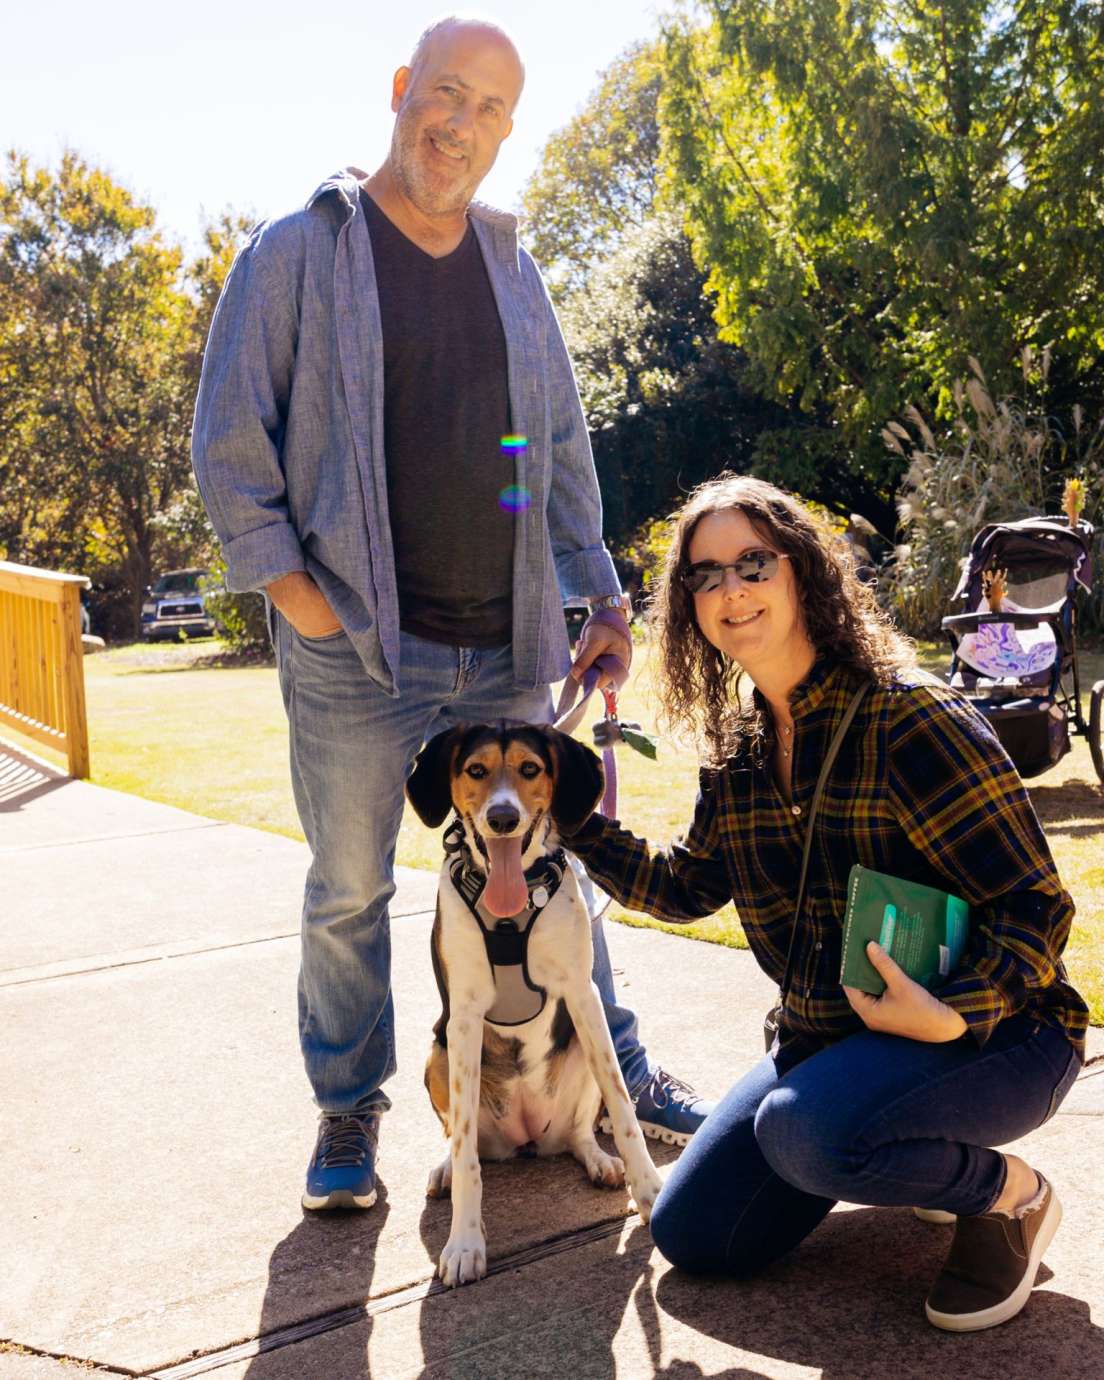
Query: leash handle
568,718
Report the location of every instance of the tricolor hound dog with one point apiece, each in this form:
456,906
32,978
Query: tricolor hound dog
522,1056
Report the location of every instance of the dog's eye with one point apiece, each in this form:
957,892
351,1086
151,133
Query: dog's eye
476,771
529,770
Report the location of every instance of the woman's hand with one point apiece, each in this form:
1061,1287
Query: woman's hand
904,1008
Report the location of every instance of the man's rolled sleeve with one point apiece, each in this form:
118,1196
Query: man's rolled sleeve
584,566
240,415
963,806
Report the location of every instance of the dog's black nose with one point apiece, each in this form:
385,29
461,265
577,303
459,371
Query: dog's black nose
503,819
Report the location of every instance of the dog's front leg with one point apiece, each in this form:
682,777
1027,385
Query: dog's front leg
465,1255
585,1007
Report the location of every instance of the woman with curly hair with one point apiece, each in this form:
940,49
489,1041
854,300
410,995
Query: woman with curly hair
896,1100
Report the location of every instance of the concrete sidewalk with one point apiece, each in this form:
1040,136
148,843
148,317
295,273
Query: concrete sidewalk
158,1123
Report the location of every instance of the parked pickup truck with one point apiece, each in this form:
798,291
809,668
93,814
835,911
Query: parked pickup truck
174,605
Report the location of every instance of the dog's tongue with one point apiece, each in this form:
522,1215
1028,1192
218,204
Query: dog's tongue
505,892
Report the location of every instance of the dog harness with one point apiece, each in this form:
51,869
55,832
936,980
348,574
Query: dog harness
518,1000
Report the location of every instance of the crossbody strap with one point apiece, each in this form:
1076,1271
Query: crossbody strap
833,749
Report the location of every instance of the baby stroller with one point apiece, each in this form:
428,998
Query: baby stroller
1019,665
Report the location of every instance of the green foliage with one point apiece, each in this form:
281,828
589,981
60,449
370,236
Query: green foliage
94,408
241,619
597,175
647,548
102,330
664,398
997,461
874,187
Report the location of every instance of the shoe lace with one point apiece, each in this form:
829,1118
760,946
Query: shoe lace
345,1141
666,1088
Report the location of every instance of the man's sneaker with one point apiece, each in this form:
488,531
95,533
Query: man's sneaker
342,1171
666,1108
991,1268
935,1215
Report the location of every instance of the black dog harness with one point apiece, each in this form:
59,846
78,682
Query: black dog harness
518,1000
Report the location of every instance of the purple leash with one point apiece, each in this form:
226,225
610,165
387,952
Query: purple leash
568,718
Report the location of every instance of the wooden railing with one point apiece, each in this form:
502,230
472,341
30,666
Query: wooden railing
42,660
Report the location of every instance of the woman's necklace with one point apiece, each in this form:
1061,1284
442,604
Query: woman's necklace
785,741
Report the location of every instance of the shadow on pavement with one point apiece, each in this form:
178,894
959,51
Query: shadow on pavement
850,1302
22,779
329,1256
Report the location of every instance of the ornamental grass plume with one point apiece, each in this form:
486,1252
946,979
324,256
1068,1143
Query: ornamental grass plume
1073,500
996,459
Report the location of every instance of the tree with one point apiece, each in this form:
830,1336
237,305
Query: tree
94,358
880,189
666,401
597,176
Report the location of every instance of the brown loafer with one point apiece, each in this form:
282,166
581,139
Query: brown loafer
991,1268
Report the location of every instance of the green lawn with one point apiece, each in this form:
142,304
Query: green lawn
168,724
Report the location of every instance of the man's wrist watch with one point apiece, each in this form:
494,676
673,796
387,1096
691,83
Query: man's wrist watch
621,602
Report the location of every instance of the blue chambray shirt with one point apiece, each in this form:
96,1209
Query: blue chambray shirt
287,444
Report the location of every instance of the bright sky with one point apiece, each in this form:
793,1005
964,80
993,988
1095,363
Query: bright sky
250,103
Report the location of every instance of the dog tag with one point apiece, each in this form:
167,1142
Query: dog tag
540,896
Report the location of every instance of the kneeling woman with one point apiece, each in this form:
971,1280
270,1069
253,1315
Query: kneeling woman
895,1100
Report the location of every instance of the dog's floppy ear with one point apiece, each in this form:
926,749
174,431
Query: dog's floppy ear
429,785
580,781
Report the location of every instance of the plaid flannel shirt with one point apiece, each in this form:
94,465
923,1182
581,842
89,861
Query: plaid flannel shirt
922,789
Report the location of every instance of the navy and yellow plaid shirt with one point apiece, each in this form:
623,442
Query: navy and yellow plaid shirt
921,789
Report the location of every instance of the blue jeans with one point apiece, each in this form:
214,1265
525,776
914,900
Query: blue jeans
352,748
874,1119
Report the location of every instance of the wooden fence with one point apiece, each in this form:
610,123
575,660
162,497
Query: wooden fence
42,660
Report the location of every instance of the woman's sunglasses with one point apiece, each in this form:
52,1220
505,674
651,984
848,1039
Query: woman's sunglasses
753,567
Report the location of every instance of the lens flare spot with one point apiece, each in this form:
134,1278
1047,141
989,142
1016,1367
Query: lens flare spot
512,444
515,498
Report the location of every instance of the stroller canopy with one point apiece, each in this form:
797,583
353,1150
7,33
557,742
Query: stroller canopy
1033,550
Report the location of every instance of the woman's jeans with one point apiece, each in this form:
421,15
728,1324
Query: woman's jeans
352,748
874,1119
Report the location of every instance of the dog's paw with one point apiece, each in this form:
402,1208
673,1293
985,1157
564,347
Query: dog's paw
645,1191
440,1181
463,1260
605,1170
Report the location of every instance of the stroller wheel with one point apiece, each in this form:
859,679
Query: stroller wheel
1096,710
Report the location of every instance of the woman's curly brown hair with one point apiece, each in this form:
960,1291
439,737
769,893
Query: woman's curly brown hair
699,687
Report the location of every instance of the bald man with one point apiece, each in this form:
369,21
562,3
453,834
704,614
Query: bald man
390,444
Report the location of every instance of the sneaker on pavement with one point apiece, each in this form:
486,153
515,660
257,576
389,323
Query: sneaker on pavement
991,1268
666,1108
935,1215
342,1171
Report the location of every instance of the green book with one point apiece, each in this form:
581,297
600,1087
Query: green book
921,928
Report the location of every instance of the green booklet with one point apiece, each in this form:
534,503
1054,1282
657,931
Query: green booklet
921,928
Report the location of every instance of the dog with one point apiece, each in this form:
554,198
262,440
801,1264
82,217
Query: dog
522,1057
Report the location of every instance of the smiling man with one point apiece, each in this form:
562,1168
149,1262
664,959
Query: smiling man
389,442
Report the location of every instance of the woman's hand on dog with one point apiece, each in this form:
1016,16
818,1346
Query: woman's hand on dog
598,639
904,1008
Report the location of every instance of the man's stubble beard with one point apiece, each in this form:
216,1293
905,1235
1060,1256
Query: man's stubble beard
414,184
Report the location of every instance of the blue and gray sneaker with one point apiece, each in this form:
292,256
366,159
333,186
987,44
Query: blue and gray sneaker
666,1108
342,1171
